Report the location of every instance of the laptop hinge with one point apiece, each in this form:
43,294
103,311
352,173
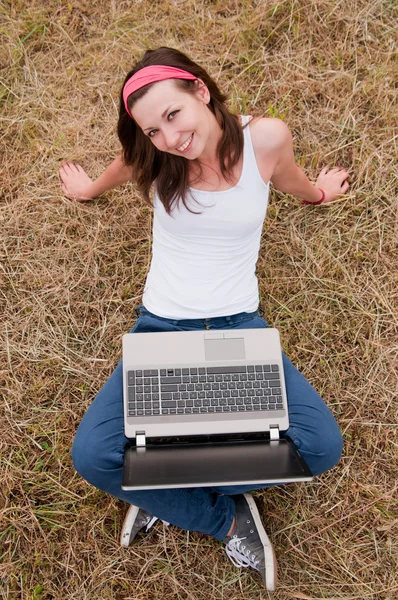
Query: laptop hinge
140,439
274,432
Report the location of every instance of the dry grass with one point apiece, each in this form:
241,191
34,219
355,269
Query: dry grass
71,275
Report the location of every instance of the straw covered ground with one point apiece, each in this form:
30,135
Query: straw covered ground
72,273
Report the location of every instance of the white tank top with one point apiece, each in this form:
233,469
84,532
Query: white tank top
203,265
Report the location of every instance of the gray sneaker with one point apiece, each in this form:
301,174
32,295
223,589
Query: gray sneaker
135,520
249,545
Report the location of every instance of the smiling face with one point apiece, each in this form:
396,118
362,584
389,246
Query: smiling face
176,121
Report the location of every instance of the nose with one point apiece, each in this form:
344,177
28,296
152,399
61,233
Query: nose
171,138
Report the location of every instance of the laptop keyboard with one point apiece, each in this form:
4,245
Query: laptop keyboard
182,391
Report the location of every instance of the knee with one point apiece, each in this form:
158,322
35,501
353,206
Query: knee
93,459
326,450
84,457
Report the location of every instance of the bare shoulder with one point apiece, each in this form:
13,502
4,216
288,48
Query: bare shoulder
269,135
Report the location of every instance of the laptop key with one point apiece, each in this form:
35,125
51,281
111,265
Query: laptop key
218,408
217,370
166,396
274,383
151,373
169,388
270,376
274,368
279,406
170,380
169,404
130,378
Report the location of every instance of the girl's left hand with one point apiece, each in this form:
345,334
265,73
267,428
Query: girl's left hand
333,182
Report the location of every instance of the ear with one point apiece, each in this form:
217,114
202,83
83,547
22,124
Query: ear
202,92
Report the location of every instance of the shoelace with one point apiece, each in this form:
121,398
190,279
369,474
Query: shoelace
152,521
238,555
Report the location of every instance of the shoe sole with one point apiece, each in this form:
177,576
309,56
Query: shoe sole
127,526
271,567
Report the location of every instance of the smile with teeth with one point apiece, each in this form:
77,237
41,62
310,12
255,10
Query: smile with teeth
185,145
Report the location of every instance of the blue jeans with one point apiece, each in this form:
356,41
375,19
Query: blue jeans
98,448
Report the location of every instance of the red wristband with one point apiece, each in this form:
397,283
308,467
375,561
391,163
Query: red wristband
318,201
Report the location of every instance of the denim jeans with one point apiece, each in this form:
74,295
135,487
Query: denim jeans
98,447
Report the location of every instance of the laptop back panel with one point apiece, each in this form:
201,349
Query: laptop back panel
213,464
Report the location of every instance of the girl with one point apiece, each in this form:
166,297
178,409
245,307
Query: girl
211,172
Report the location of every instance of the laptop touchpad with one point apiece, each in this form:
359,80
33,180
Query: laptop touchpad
225,349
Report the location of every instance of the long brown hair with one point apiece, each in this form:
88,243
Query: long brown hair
171,172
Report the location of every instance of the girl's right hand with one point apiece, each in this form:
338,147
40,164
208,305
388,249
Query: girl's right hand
76,184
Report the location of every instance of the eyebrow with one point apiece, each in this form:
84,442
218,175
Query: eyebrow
164,113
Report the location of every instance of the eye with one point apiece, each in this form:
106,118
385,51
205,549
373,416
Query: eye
152,133
171,115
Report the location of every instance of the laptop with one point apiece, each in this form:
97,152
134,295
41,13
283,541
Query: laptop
206,408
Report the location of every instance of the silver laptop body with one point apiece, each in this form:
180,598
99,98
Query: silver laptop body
165,366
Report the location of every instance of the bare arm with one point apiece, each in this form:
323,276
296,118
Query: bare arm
276,148
77,185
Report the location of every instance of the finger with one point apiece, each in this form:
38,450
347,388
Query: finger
344,175
345,187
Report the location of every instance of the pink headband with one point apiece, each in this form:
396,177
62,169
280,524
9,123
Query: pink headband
152,74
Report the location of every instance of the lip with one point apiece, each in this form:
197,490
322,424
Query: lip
189,145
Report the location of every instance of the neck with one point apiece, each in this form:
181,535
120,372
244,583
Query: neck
209,156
